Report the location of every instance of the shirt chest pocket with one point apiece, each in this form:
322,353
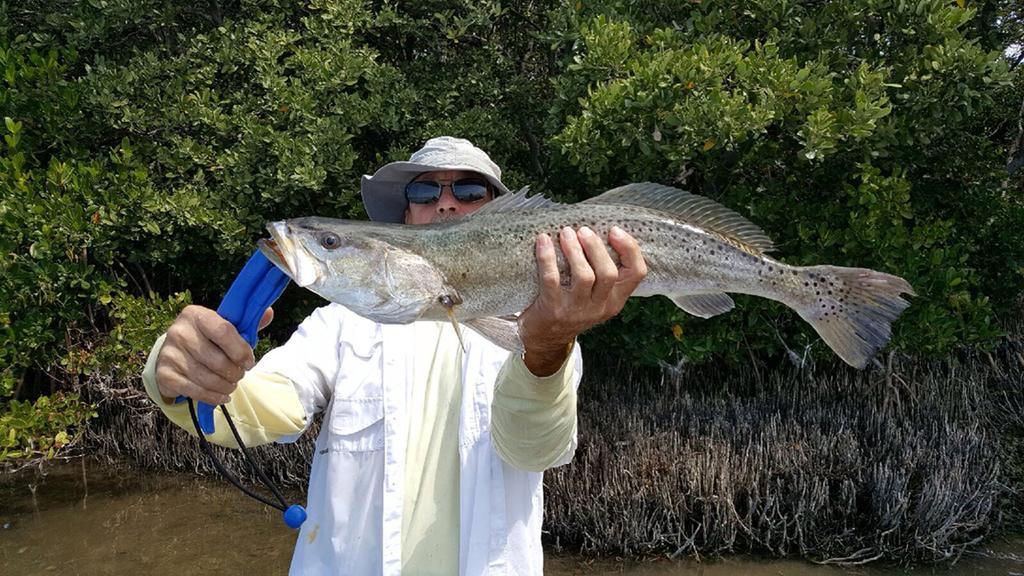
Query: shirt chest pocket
357,412
357,424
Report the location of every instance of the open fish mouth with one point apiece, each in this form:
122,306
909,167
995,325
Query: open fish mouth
273,252
278,247
286,252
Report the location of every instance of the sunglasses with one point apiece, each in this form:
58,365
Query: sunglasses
428,191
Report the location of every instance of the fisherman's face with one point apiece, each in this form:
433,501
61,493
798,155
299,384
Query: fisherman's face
447,205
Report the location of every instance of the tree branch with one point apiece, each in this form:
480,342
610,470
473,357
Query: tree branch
1015,159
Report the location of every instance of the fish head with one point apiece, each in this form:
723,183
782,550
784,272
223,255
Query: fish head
298,249
348,263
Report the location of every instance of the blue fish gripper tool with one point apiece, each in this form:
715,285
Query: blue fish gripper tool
255,288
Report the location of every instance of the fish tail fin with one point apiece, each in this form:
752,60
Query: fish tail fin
852,309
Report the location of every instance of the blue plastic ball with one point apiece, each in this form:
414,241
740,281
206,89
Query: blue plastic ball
294,516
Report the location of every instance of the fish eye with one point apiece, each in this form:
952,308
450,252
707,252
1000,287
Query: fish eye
330,241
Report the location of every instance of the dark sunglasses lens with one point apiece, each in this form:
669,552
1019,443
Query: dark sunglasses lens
470,190
422,192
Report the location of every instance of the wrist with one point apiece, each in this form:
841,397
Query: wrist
544,358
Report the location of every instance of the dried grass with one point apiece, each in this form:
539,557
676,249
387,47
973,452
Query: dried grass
843,467
129,428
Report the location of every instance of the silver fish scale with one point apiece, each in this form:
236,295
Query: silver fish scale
489,259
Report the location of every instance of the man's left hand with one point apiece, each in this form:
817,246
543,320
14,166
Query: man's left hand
598,290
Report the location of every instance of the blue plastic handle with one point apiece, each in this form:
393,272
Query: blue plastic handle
255,288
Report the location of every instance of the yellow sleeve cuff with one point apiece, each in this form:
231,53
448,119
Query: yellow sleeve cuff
264,407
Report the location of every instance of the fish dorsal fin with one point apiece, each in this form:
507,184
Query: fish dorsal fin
514,202
690,208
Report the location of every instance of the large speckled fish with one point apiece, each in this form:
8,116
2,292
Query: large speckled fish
482,267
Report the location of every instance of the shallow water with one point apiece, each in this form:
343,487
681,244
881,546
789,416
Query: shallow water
84,519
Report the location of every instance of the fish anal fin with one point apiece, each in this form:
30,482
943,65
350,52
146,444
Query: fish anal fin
692,209
503,331
704,305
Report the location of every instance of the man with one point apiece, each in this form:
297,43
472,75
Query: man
431,454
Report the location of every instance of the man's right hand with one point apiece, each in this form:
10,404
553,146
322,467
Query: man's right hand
203,356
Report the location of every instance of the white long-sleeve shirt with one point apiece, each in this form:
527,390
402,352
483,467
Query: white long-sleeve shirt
429,457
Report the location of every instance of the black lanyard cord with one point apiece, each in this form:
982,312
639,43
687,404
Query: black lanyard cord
252,461
281,503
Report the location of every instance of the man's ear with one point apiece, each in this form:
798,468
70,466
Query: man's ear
405,220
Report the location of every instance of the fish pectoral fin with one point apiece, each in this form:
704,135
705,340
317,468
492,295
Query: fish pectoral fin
450,302
500,331
704,305
458,332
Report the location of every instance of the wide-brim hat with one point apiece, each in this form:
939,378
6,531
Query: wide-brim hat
384,192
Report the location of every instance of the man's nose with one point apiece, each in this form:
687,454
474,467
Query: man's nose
447,201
